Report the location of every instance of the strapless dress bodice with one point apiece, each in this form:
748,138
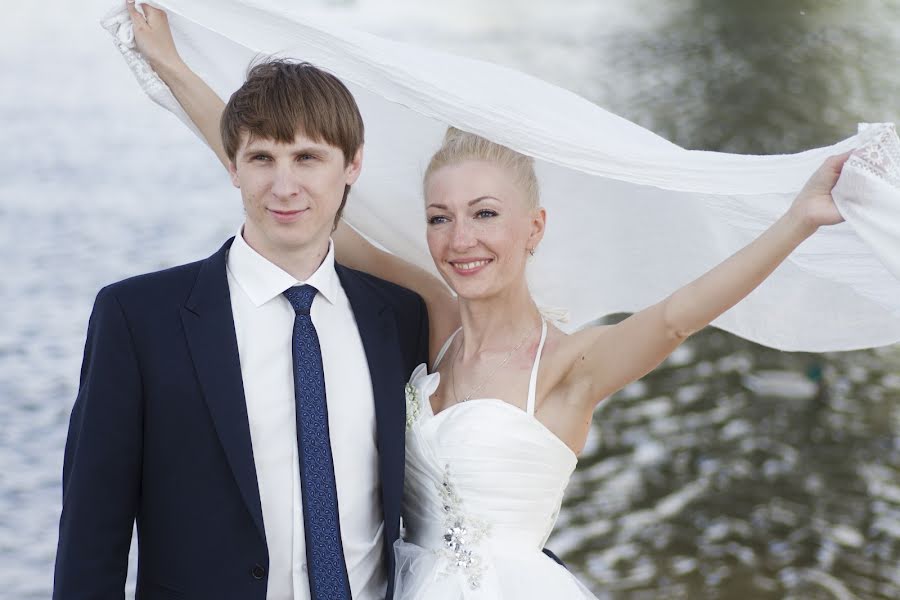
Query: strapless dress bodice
484,484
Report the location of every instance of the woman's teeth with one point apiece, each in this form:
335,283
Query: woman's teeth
468,266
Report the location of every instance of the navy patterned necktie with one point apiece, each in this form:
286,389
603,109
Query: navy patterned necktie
327,570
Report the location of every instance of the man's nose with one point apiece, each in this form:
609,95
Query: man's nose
285,183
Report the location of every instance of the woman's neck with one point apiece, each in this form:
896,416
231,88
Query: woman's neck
495,324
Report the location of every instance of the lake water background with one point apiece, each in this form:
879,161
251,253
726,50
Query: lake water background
732,472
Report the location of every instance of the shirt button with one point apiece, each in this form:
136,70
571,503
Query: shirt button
303,567
258,572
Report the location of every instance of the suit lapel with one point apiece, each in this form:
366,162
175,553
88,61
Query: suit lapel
209,328
378,331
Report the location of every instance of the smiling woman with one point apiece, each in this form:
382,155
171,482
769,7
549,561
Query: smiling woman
480,221
482,207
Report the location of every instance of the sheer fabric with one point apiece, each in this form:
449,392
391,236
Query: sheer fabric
631,216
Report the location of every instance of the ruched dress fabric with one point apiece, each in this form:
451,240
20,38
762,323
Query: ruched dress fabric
484,484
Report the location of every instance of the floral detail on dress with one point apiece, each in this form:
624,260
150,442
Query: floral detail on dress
413,405
419,389
461,534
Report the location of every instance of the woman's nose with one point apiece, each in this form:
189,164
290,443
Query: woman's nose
463,236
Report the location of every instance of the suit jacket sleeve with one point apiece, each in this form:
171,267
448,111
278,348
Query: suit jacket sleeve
102,466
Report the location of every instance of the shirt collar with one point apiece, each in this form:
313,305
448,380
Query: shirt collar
262,280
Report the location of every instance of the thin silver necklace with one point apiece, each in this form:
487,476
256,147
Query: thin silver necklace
477,389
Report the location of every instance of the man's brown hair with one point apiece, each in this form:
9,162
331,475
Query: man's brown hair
281,98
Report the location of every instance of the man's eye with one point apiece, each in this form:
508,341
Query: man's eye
260,157
305,157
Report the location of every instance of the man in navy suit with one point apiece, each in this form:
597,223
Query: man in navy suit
247,411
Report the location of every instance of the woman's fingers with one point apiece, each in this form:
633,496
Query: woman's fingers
154,16
833,167
827,174
136,16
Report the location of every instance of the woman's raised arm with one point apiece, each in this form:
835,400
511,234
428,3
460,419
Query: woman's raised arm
154,40
605,359
354,251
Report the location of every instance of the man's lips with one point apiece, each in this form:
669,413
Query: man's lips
286,216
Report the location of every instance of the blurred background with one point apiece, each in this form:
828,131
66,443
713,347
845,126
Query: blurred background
732,471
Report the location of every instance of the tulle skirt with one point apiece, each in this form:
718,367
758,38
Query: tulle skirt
424,574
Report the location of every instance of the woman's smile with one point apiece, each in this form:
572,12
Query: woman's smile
469,266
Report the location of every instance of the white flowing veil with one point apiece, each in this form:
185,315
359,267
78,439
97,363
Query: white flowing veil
631,216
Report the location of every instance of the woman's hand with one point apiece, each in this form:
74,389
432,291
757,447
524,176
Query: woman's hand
153,36
814,205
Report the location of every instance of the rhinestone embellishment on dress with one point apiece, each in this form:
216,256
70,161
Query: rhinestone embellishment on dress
461,534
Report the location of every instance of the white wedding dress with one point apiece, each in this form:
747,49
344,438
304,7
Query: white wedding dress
484,483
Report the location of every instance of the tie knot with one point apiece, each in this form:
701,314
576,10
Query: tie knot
301,298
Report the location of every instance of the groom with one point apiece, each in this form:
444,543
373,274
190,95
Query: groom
247,410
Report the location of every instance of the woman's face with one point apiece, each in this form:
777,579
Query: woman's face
480,228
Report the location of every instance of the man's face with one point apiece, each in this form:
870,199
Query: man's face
291,192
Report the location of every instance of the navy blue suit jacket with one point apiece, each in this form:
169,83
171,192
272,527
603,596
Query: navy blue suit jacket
159,435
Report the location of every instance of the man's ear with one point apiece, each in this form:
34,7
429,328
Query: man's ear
354,167
232,171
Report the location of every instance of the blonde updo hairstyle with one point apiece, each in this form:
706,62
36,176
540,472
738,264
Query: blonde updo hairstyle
460,146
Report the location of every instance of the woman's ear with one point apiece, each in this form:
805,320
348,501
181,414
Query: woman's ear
538,223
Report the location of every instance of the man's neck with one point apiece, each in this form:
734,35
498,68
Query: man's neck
300,261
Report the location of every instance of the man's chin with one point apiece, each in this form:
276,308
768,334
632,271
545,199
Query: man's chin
300,240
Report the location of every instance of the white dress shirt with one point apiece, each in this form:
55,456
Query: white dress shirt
264,323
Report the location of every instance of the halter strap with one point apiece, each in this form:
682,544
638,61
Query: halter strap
444,349
532,384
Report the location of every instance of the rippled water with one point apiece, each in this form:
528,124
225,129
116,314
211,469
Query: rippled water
731,472
738,472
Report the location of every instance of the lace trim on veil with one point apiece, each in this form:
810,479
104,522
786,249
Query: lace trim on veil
880,154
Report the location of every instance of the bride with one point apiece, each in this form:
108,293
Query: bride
496,424
496,421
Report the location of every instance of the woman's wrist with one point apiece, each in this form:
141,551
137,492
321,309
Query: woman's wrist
800,222
169,68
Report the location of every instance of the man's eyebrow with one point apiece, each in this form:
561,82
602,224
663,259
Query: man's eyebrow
254,150
311,150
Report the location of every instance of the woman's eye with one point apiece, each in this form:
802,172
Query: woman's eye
485,213
436,220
